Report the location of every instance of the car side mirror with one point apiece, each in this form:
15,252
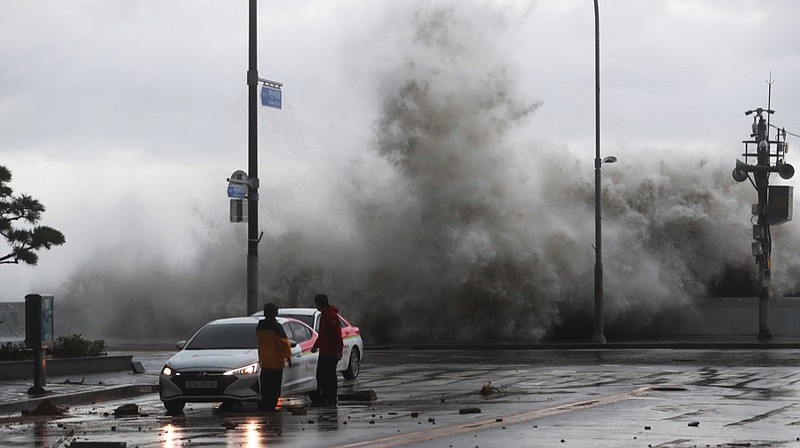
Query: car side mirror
180,345
292,343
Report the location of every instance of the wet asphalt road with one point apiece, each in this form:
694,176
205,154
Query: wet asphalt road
532,398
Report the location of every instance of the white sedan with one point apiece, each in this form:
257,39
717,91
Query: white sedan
220,364
353,352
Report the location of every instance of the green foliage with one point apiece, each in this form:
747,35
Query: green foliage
76,346
24,242
14,351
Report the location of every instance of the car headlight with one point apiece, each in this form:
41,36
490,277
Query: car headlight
169,371
246,370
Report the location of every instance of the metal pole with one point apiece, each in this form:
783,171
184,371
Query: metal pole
252,169
762,185
599,337
39,372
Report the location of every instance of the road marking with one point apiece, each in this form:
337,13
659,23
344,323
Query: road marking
432,434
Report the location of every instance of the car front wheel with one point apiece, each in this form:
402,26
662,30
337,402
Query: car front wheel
353,366
174,407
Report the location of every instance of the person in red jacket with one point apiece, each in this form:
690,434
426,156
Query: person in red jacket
330,346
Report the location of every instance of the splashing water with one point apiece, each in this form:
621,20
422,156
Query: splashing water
455,231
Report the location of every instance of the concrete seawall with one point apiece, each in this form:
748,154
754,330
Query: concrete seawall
14,370
708,317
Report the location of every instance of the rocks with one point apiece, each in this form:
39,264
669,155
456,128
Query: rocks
488,389
298,410
47,407
127,410
359,395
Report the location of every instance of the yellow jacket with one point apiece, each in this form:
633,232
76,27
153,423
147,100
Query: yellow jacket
273,345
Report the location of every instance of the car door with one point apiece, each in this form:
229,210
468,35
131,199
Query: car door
307,364
291,375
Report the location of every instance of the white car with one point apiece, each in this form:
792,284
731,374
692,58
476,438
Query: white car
353,352
220,364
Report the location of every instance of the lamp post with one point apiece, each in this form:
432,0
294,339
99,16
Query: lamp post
599,336
252,165
240,184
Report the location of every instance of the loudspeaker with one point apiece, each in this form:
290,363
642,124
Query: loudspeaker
739,175
785,170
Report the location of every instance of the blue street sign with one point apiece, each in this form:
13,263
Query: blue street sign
237,191
270,96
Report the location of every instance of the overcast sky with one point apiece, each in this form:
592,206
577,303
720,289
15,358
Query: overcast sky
124,117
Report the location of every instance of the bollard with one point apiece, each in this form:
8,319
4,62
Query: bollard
39,336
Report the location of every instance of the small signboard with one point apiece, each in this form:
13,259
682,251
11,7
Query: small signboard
237,191
237,185
38,321
238,210
271,96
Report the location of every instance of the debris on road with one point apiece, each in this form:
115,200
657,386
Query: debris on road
359,395
298,410
694,424
488,389
47,407
127,410
463,411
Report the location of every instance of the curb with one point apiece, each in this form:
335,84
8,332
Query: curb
92,396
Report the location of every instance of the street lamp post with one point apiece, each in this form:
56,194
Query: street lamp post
252,169
599,335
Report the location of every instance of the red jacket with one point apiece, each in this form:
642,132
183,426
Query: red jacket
329,341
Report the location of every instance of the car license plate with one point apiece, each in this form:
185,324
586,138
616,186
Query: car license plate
201,384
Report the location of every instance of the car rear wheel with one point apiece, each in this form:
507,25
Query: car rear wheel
353,366
174,407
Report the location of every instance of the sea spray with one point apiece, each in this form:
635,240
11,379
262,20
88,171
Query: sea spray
454,225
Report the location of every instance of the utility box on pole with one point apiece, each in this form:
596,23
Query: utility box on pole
779,204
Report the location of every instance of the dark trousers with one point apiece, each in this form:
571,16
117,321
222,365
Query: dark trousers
326,378
270,388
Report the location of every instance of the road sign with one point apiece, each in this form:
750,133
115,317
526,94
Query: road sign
238,210
237,191
271,96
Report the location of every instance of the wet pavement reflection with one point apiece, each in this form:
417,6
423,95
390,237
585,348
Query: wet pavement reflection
575,398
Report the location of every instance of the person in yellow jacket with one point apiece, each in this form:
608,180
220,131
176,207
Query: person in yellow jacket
274,353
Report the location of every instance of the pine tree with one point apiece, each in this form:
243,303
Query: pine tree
19,215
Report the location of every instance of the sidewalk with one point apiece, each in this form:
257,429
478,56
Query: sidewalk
88,388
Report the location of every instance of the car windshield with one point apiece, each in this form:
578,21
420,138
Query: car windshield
225,336
304,318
